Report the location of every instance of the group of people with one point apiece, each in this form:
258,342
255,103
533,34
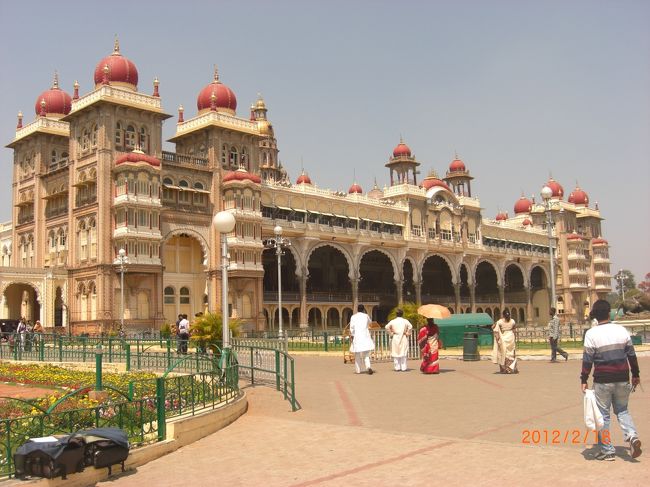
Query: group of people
399,329
608,349
182,333
24,334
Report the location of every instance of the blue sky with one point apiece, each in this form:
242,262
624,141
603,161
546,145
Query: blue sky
520,89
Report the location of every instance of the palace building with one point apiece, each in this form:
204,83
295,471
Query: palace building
90,177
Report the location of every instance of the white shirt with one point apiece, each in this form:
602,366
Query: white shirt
359,330
184,326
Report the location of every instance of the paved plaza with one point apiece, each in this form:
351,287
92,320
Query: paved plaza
465,426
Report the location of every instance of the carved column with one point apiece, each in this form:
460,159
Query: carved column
457,295
529,305
418,292
502,297
399,285
472,297
355,293
303,302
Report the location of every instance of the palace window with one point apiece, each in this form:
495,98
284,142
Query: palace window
169,297
224,154
144,139
93,136
234,158
119,140
185,295
129,137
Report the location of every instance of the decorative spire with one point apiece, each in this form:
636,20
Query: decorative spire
43,103
455,154
375,186
75,94
116,46
216,75
106,71
55,83
19,125
180,114
155,87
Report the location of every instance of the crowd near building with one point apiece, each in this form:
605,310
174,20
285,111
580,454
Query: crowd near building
90,177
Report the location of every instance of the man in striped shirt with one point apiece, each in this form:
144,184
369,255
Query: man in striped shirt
554,336
609,349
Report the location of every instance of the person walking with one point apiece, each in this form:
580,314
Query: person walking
22,334
429,343
178,334
608,348
183,334
504,350
399,330
554,336
362,343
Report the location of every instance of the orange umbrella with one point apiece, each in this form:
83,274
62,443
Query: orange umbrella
434,311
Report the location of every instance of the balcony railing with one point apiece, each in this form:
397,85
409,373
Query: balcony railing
185,159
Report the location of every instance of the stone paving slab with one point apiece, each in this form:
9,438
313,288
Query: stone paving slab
462,427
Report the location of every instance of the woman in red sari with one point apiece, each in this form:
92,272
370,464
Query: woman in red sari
429,342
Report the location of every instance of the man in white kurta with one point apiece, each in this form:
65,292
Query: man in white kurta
400,330
362,343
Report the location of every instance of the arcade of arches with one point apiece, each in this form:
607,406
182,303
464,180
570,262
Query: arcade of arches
324,292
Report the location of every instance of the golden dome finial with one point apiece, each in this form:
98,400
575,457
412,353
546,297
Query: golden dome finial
76,84
401,140
180,108
156,81
455,154
216,74
116,45
55,83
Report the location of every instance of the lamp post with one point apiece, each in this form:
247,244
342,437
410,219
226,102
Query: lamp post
122,260
278,243
224,222
620,277
547,193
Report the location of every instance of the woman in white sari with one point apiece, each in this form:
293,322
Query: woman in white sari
503,352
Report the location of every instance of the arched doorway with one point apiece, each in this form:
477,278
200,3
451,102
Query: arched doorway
315,318
333,319
328,276
487,288
184,279
377,283
436,282
22,302
514,290
540,295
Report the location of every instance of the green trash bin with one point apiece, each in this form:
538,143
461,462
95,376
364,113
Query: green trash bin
470,346
636,340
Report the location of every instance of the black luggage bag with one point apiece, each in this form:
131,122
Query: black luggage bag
105,447
50,459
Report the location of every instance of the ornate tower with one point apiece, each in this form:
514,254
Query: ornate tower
402,166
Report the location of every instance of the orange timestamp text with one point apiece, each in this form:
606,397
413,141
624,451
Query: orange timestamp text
563,437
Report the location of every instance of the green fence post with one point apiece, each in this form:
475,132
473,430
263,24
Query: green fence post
285,375
60,340
41,349
160,408
325,340
196,355
293,389
169,356
252,368
127,350
110,350
277,370
131,389
98,368
84,343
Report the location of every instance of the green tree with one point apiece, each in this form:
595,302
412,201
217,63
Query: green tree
205,330
410,313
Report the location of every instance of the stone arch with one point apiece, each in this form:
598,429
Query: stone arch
341,248
452,267
522,269
205,249
497,269
396,273
544,272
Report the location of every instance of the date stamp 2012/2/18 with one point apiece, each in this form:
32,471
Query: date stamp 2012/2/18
563,437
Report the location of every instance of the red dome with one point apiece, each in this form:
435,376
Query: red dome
241,175
558,190
599,241
57,101
501,217
402,150
527,222
574,236
303,179
457,166
523,205
137,156
430,182
224,98
578,197
355,188
120,70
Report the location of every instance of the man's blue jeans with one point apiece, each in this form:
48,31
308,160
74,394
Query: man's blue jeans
616,395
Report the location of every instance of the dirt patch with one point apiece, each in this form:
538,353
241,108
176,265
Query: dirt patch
24,392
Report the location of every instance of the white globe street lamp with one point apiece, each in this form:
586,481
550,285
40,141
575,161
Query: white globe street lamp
122,260
547,194
278,243
224,223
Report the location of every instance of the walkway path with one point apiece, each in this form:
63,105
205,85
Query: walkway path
462,427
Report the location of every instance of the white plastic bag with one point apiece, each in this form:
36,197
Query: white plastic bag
593,416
